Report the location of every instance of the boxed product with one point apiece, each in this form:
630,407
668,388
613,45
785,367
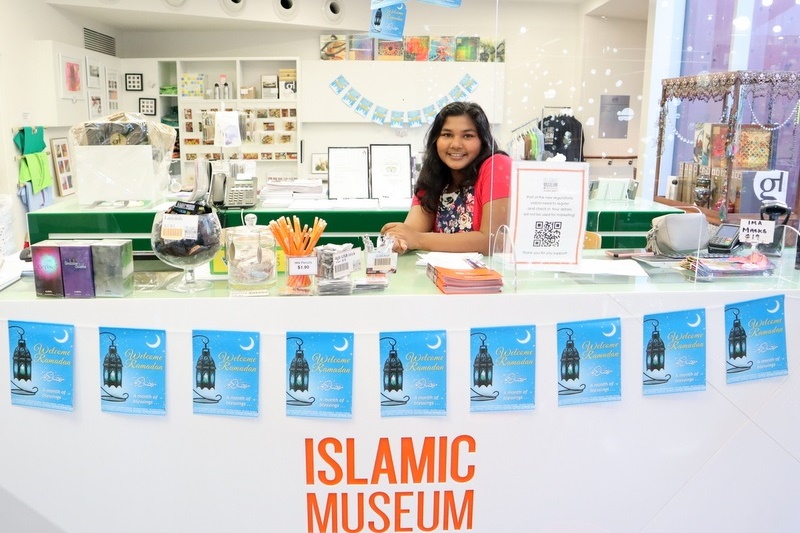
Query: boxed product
76,269
269,87
46,258
112,260
287,84
193,85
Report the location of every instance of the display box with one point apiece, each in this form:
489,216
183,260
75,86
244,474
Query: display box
193,85
46,258
112,260
247,93
269,87
76,269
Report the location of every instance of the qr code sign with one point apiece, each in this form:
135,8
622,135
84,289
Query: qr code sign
547,234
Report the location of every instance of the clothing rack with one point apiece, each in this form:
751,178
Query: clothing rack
20,157
524,125
565,110
35,129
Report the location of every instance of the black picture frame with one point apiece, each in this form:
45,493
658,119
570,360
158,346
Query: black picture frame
147,106
134,82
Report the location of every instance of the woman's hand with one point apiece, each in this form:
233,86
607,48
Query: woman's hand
403,236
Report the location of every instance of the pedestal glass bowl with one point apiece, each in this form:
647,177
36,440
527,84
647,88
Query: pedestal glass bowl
186,242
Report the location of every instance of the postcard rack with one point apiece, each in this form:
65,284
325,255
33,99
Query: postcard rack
765,99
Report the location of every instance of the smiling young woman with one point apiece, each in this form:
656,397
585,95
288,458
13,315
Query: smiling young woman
461,196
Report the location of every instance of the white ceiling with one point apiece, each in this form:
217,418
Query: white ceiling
132,20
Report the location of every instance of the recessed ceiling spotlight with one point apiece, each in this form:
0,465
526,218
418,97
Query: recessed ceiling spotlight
333,10
285,9
232,7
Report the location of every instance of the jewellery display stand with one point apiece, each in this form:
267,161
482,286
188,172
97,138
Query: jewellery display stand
766,101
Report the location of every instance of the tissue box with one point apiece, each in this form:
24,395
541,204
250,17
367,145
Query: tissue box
76,269
46,258
112,260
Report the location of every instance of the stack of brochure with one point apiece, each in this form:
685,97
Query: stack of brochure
476,280
754,264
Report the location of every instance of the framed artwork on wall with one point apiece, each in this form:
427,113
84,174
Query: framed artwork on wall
134,82
92,74
319,163
71,73
97,106
147,106
112,89
59,150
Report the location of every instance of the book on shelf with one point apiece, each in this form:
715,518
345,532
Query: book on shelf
416,47
442,48
389,50
467,48
332,47
360,47
465,280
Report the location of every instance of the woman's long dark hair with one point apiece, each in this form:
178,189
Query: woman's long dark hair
435,175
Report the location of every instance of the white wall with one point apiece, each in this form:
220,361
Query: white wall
23,23
552,51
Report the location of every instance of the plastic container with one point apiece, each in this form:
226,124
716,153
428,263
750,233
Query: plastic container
252,258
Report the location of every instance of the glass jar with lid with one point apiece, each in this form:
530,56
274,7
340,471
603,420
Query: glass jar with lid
252,259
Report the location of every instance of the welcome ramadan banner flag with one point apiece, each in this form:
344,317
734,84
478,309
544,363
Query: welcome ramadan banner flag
133,370
589,361
413,373
503,373
674,352
319,370
225,372
41,357
756,339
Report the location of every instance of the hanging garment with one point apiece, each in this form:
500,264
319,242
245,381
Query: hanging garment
35,168
29,140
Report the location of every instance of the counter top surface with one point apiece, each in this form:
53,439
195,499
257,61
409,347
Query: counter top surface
411,280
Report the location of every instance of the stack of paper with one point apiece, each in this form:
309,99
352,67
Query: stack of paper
754,264
476,280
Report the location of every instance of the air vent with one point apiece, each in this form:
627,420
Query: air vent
98,42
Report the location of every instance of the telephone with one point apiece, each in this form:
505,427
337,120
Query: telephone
233,192
774,210
725,240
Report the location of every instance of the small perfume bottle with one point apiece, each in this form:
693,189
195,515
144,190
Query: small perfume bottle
216,91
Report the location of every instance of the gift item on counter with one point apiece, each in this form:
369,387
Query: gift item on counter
186,236
251,257
122,157
335,265
76,269
678,233
46,257
112,263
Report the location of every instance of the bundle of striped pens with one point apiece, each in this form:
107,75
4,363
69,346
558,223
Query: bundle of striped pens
297,241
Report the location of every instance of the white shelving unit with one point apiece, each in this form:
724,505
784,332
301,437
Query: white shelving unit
273,124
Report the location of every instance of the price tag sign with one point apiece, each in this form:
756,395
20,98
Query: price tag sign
177,227
756,231
346,262
381,262
302,266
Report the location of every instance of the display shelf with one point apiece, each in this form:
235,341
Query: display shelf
272,138
714,118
